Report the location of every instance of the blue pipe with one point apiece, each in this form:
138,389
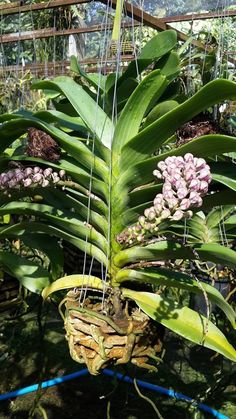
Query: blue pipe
167,392
127,379
44,384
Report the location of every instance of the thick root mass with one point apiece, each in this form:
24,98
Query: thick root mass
100,340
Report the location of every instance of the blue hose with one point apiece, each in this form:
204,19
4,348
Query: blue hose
127,379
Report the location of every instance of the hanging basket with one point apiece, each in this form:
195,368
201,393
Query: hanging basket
100,339
125,48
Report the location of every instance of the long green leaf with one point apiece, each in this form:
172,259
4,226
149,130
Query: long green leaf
72,281
165,250
217,215
64,219
96,80
170,278
40,227
91,113
162,250
158,46
50,247
151,138
184,321
76,148
152,86
29,274
79,205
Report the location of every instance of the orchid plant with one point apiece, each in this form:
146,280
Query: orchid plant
116,193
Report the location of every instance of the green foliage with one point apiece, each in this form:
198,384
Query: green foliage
109,171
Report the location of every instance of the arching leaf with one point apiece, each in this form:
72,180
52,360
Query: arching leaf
183,321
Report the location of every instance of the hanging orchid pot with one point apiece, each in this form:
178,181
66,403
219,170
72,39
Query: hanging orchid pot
106,331
124,48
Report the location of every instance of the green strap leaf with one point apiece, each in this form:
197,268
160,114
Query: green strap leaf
217,215
91,113
63,219
159,110
96,80
184,321
72,281
158,46
224,173
150,139
51,230
29,274
164,250
170,278
169,65
152,86
51,248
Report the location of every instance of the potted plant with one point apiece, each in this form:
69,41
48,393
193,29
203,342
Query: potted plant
115,195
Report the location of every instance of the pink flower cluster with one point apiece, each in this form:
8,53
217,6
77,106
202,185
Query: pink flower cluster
186,181
29,177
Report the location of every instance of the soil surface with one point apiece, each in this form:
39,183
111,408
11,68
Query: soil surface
29,354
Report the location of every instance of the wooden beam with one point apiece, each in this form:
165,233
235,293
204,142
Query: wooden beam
51,32
199,16
153,22
15,8
50,67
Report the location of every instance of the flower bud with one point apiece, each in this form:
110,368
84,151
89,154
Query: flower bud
178,215
4,179
157,173
158,199
168,195
161,165
28,171
204,174
194,185
203,188
11,174
190,175
189,158
182,193
188,214
173,202
37,169
150,213
185,204
19,177
27,182
45,183
37,178
62,173
165,214
158,208
12,183
47,172
199,163
169,160
141,220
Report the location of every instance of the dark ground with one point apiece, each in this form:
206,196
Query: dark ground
25,358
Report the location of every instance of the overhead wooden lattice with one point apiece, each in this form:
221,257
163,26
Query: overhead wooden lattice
137,16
